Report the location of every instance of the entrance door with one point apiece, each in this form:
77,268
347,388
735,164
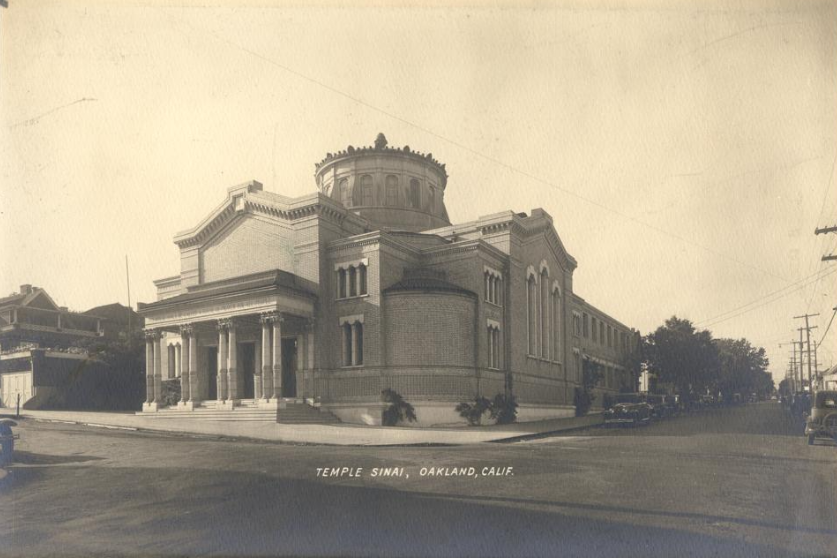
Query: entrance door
212,373
289,367
247,367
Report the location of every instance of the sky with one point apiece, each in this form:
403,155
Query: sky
685,150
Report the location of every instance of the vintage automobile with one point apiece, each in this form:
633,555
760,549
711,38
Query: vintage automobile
659,410
629,408
822,423
672,405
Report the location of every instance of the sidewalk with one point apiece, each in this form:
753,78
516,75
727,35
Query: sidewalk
341,435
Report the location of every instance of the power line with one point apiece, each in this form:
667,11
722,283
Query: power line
827,327
802,282
480,154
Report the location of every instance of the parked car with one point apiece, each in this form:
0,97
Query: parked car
629,408
822,423
658,406
672,405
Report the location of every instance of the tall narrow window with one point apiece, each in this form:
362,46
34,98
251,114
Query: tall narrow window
366,190
358,343
497,348
431,199
414,198
352,281
601,333
345,194
595,328
545,317
347,344
586,328
392,190
531,294
557,322
341,283
362,279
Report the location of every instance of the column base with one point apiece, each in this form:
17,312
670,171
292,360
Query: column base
226,405
187,405
152,407
268,403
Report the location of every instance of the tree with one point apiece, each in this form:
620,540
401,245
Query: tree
743,369
678,354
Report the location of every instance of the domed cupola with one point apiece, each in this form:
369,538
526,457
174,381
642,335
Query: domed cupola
394,188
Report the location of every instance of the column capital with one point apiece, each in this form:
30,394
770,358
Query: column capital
186,329
271,317
152,334
310,323
223,324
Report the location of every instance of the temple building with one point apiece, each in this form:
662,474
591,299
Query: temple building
325,300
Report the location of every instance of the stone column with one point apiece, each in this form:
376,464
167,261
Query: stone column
277,357
194,381
309,363
183,363
257,371
178,357
158,368
300,365
222,361
232,363
149,366
267,357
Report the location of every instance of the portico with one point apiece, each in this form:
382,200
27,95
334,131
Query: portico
244,343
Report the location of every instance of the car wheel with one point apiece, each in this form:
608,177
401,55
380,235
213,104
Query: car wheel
811,439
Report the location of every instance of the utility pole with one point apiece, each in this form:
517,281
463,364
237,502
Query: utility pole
808,334
801,364
825,230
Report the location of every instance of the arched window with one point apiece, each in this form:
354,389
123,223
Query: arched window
544,311
341,283
556,325
531,309
361,279
392,190
352,281
414,197
347,344
358,344
345,194
366,190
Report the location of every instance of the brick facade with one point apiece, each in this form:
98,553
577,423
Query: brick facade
439,315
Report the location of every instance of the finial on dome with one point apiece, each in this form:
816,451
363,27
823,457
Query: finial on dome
380,141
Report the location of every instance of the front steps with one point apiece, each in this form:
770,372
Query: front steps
291,411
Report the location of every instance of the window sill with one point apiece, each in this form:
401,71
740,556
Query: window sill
351,297
494,304
351,367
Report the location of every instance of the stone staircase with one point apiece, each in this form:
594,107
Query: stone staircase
292,412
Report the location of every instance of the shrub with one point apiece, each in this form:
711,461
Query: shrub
398,409
473,412
504,409
170,392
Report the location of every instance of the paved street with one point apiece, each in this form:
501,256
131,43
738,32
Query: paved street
733,482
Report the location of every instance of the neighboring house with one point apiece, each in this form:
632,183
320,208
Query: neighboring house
365,285
37,339
117,320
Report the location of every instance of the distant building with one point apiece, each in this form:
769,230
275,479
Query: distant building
366,285
117,320
37,339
